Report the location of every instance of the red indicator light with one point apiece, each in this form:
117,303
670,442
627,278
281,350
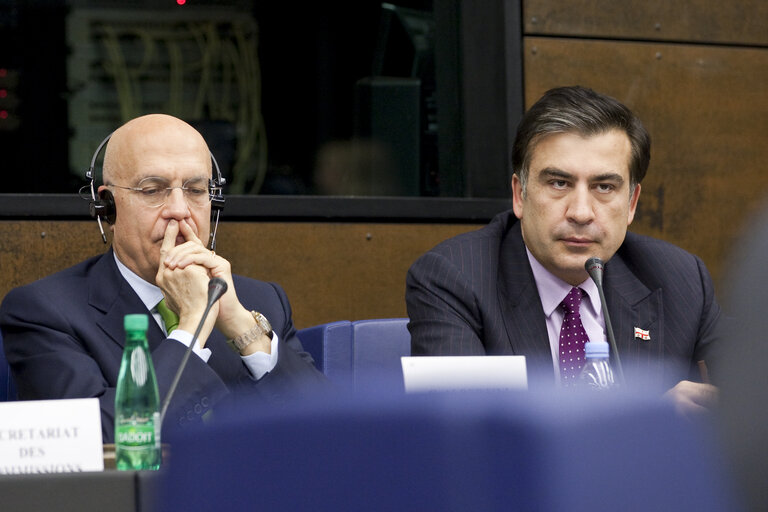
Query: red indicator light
181,2
3,114
3,93
3,72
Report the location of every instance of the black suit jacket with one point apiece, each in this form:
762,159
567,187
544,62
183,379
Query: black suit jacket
475,294
64,338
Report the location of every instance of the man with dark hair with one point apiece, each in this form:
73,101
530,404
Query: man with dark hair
510,287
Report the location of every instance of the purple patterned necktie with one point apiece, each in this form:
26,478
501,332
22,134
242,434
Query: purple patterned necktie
572,338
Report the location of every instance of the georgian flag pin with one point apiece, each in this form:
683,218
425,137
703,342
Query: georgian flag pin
642,334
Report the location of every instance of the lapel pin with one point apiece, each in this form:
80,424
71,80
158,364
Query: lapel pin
642,334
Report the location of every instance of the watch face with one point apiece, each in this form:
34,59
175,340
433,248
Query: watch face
262,321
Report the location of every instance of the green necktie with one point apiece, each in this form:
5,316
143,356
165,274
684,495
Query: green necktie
170,319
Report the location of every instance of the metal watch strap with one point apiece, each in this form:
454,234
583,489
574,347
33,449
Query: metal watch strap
253,334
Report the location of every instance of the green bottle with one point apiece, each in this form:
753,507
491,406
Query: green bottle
137,402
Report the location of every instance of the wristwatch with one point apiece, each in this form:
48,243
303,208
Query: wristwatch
253,334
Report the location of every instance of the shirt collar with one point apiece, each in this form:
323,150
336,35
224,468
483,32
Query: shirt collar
149,294
552,289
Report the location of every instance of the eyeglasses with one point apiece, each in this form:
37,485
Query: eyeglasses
154,192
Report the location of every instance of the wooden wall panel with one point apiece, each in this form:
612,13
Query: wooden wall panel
707,111
712,21
331,271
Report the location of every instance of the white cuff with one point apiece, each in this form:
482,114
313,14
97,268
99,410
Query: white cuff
261,363
185,339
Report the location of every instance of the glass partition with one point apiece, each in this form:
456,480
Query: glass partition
302,99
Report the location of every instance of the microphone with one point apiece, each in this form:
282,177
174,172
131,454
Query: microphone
216,288
594,267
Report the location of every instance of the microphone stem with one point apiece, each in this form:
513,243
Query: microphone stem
611,338
183,364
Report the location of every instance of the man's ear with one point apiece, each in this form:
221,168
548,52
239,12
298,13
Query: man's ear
634,198
517,196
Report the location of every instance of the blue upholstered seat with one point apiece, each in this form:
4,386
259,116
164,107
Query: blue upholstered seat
330,345
356,354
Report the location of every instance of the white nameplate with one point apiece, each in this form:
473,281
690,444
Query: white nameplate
439,373
50,436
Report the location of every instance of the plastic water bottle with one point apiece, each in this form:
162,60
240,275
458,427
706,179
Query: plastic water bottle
137,402
597,373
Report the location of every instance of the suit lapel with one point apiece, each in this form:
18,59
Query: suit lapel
632,305
520,305
110,298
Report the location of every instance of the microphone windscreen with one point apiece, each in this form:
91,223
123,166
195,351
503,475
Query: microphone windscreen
594,267
216,288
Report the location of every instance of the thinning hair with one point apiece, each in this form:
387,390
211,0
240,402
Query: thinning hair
583,111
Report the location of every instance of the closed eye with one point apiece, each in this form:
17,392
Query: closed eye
196,191
152,191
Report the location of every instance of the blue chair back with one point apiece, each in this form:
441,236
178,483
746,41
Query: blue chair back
7,387
330,345
377,348
354,354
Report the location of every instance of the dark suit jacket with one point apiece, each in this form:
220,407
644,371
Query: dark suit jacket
64,338
475,294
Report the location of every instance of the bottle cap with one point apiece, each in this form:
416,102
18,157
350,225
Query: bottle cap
136,322
596,349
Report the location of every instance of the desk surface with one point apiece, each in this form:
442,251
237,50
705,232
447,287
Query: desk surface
113,491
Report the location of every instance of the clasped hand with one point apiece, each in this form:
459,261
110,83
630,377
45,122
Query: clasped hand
183,275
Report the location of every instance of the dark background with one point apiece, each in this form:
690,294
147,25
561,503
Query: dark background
310,57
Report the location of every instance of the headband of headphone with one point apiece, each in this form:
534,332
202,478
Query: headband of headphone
102,205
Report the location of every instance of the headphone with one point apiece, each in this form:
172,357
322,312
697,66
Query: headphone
102,205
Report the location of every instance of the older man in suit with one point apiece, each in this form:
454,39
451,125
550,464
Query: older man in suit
64,334
578,160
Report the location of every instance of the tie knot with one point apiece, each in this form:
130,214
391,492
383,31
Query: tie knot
572,301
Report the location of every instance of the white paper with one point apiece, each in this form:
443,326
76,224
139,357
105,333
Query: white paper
437,373
50,436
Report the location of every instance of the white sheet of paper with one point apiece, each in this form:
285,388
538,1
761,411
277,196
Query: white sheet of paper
436,373
50,436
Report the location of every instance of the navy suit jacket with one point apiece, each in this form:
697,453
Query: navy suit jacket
475,294
64,338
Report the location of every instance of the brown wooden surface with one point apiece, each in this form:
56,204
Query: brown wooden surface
331,271
710,21
707,111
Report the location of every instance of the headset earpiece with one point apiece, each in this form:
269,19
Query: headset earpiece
104,207
216,191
